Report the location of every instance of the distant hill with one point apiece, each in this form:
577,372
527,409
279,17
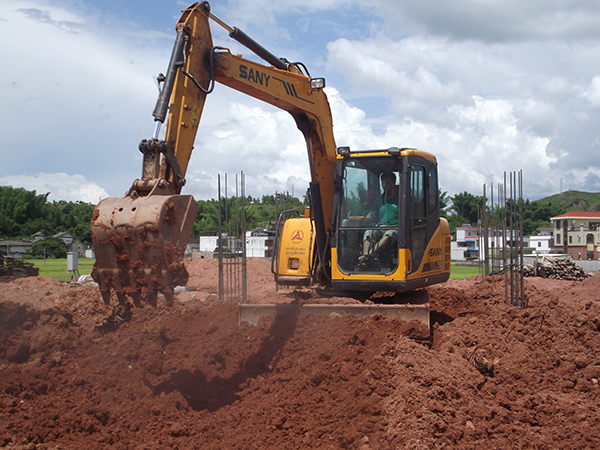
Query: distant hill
575,201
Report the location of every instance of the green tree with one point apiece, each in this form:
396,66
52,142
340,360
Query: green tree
464,209
260,213
23,213
19,210
467,206
48,248
444,200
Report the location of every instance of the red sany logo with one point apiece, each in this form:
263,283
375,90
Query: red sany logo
297,236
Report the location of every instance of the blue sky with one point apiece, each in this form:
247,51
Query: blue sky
487,87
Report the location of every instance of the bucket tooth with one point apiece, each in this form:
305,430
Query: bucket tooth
105,296
169,296
151,298
136,296
122,298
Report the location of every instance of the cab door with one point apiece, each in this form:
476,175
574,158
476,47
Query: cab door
424,213
418,214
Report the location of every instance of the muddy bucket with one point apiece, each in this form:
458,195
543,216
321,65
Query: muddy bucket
139,244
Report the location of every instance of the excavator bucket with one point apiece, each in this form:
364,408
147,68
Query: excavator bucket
139,244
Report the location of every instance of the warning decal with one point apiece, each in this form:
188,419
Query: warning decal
297,236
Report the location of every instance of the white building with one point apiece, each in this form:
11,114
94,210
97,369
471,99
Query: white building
542,243
466,245
468,242
259,244
208,243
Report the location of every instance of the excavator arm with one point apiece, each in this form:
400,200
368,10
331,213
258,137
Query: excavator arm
293,93
198,65
140,239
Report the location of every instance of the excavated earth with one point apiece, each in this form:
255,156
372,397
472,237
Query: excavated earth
77,374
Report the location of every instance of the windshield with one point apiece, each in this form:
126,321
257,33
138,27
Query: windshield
368,233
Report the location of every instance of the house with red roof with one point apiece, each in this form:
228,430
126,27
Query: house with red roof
578,234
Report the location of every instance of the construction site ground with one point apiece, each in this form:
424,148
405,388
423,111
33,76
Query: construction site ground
490,375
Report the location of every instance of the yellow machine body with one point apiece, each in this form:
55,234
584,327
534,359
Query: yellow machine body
296,247
140,239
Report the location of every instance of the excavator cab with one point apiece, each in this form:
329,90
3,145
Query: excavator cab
387,231
367,239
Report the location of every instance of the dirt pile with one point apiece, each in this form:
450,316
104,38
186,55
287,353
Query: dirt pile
185,377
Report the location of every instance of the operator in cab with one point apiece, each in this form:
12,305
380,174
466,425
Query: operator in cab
384,211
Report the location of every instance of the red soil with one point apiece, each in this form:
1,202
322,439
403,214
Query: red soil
189,376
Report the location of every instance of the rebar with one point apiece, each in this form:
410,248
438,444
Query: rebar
231,242
502,229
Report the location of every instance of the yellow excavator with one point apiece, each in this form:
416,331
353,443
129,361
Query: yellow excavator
373,224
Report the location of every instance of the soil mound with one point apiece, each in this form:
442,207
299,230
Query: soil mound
190,377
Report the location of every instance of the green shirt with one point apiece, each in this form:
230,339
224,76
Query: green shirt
385,209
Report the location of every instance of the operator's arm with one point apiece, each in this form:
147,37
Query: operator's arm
373,213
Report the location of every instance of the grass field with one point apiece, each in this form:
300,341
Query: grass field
459,272
57,268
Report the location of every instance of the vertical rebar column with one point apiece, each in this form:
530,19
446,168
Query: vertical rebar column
512,239
485,227
504,224
244,261
276,228
232,243
220,245
501,225
492,226
236,258
276,208
480,243
227,257
516,245
521,265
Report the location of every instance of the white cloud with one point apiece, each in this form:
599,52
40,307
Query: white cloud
396,74
252,137
488,87
592,93
80,101
491,108
497,20
60,186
